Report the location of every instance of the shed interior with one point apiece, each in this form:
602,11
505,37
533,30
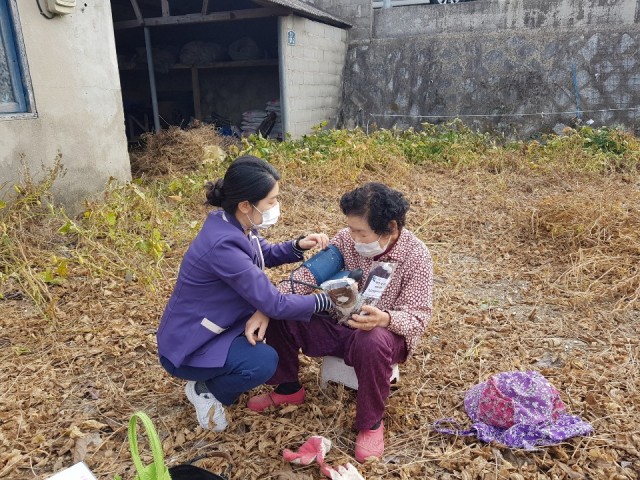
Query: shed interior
211,66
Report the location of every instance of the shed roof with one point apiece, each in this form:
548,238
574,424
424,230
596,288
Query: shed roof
305,10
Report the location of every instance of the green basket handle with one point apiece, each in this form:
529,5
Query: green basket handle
157,471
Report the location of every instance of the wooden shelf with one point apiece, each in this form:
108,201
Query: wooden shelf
233,64
269,62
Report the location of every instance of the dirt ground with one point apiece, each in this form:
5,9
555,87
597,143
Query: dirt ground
510,295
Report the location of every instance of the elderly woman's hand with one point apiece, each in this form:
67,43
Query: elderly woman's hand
314,240
257,323
370,317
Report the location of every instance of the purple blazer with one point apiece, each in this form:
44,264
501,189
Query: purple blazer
220,285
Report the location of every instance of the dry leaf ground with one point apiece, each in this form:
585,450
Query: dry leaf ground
535,270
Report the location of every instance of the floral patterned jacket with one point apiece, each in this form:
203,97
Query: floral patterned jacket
409,296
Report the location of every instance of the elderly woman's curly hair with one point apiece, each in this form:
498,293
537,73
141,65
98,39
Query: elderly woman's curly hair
378,204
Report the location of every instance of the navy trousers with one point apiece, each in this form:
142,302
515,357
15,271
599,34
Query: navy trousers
246,367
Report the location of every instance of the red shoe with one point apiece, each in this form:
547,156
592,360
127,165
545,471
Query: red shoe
370,444
260,403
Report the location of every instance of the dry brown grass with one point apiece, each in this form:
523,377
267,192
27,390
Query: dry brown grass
509,295
598,227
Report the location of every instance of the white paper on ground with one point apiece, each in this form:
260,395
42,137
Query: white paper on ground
78,472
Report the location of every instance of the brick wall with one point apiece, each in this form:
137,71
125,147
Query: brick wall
311,73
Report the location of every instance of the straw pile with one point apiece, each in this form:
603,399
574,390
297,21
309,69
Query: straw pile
533,271
176,150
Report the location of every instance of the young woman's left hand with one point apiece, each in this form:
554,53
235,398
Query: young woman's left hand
314,240
258,322
373,317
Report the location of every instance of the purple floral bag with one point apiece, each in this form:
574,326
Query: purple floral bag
519,410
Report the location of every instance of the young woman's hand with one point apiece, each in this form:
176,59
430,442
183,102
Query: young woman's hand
256,327
314,240
370,317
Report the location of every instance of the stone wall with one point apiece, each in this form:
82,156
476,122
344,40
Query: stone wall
311,73
518,83
518,66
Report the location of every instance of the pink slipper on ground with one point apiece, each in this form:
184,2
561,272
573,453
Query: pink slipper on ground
370,444
260,403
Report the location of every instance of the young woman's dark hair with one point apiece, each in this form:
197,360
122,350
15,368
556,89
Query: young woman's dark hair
248,178
378,204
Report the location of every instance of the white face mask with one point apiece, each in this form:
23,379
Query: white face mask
371,249
269,217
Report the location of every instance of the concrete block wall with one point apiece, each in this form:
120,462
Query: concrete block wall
478,16
357,12
311,73
74,72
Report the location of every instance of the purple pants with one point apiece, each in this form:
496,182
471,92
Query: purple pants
371,354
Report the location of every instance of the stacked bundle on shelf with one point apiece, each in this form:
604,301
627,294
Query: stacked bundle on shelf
251,120
245,48
202,53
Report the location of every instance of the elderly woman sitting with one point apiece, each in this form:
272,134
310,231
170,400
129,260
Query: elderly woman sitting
377,336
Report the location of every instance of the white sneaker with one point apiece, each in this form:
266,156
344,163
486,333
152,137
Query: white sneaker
203,403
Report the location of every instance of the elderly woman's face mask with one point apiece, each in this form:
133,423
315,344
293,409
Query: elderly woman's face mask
366,241
371,249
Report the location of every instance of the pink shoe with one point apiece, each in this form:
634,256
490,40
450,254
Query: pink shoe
370,444
260,403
